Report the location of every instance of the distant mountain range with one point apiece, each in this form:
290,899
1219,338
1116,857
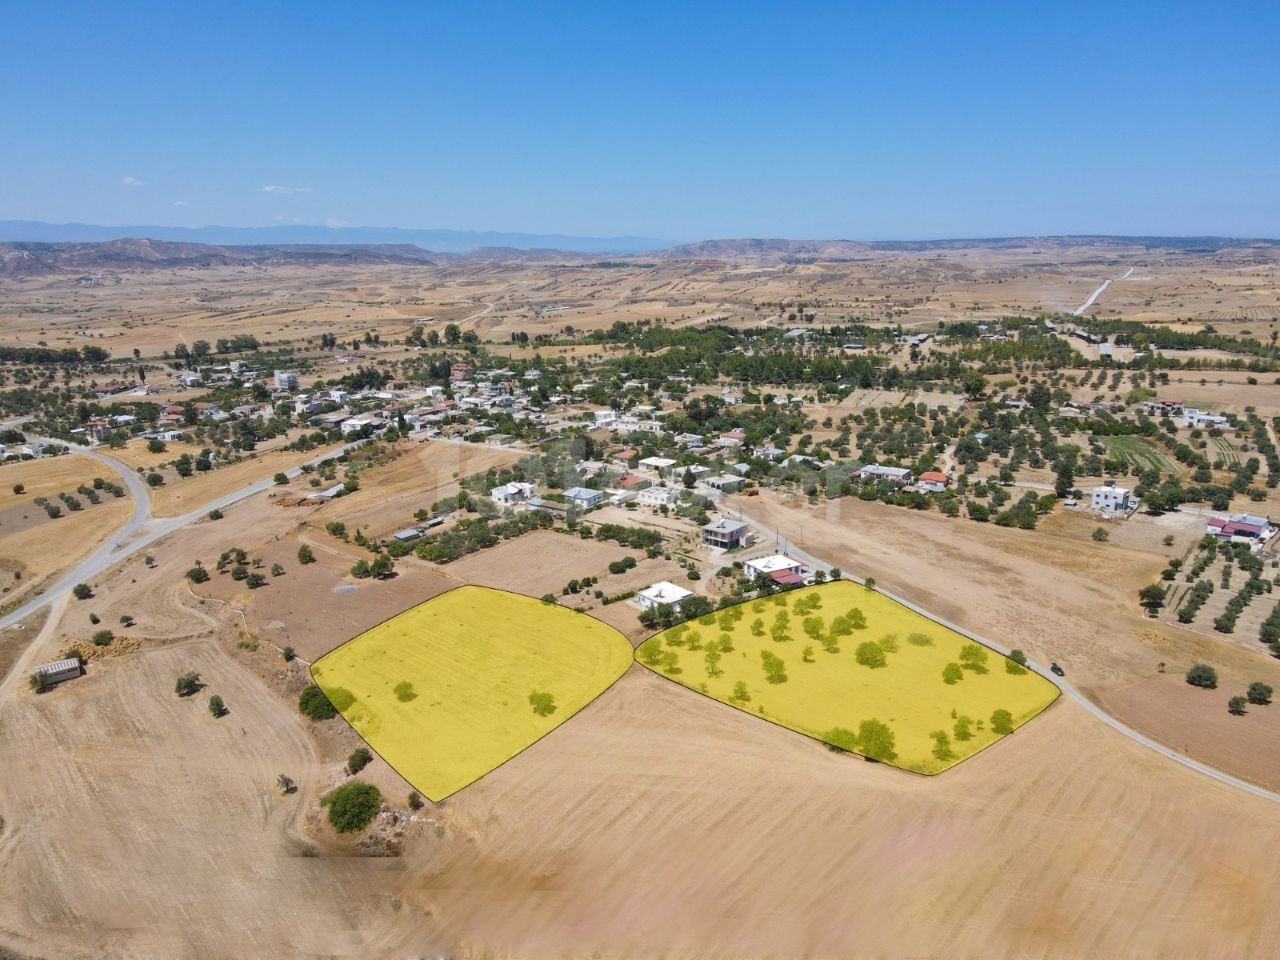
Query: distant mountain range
35,257
442,241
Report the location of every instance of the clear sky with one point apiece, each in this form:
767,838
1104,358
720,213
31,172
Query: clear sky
679,121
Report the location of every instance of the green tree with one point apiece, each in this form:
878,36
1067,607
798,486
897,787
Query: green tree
876,741
359,759
452,334
712,658
306,555
1202,675
973,657
740,692
82,591
103,638
1259,693
941,745
1100,535
952,673
314,704
544,704
187,684
1236,706
775,670
757,627
360,570
963,728
1002,721
415,800
285,784
280,479
352,806
870,654
216,706
1152,597
841,739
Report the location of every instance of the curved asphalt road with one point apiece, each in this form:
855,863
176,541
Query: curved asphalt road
137,533
1066,688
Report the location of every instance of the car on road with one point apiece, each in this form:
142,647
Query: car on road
1057,670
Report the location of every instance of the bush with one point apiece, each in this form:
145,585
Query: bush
280,479
1203,675
352,806
838,738
1259,693
198,575
1236,706
359,759
103,638
870,654
1002,721
216,706
288,654
544,704
187,684
82,591
306,555
952,673
314,704
415,800
19,489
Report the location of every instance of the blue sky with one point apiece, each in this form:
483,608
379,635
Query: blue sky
672,120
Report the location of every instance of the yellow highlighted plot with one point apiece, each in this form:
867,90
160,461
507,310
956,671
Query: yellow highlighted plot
454,687
868,658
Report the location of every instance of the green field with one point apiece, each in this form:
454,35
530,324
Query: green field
843,664
448,690
1136,451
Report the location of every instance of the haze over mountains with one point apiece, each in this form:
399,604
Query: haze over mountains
29,254
443,241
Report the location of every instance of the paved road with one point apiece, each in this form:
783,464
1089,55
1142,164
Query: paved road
1079,311
140,531
1066,688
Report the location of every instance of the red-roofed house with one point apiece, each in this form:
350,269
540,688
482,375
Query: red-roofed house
933,481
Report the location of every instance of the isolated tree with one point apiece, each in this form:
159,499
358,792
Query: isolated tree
352,806
306,555
1002,721
1259,693
198,575
1202,675
38,682
963,728
1100,535
740,692
1236,706
82,591
187,684
757,627
359,759
870,654
544,704
216,706
806,655
1018,657
941,745
280,479
103,638
973,657
1152,597
415,800
952,673
775,670
712,658
876,741
288,654
285,784
314,704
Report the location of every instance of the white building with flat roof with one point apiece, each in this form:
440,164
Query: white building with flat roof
1110,499
773,565
662,594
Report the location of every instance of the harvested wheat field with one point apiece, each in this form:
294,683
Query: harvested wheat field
179,496
48,476
853,668
455,687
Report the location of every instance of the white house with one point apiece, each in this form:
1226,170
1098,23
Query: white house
509,494
661,465
658,496
1202,418
662,594
605,418
1110,498
584,498
892,474
777,567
